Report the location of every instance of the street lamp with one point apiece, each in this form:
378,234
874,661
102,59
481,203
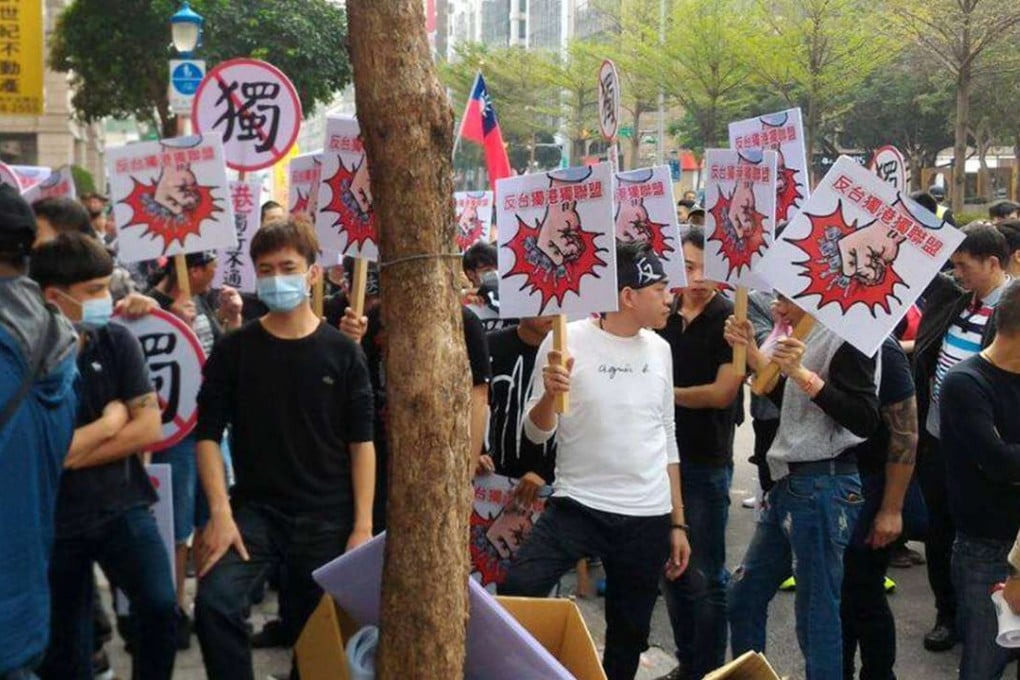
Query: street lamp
186,29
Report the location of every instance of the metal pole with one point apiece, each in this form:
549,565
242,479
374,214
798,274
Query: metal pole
660,147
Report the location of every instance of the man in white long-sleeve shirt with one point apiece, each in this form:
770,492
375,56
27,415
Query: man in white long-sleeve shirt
617,491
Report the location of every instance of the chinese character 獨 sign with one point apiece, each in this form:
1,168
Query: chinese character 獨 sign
345,219
858,255
234,266
170,197
888,163
254,109
783,133
646,212
740,195
557,246
21,57
175,361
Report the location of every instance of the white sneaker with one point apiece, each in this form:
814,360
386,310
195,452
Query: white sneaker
751,502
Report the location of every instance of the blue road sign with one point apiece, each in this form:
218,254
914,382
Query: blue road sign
186,75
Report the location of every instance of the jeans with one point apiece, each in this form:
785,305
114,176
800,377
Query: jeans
938,544
805,524
700,594
272,538
978,564
184,475
764,434
130,550
633,552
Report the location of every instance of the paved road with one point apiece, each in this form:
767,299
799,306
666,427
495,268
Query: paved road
912,605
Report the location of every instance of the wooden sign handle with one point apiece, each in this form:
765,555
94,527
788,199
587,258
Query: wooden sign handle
359,281
740,313
560,345
766,379
183,284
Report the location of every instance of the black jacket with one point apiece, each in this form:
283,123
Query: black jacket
944,301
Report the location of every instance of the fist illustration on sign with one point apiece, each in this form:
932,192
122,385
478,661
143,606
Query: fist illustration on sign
177,190
361,189
867,254
632,221
468,220
559,237
741,212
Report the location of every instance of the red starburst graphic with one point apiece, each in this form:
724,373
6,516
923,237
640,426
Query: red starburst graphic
467,238
655,237
484,557
788,197
541,274
161,223
738,252
301,204
359,224
823,267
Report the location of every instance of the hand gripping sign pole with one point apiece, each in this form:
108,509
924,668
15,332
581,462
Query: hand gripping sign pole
766,379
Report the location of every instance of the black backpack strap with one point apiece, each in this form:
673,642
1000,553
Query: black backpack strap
34,371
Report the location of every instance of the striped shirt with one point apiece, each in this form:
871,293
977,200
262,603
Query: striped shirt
961,341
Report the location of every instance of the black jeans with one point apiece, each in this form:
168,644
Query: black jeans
764,434
130,551
633,552
300,544
938,544
865,613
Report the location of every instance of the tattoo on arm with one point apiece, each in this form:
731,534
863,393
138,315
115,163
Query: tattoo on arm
145,401
901,419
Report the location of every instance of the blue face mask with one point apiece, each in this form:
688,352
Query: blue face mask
97,312
282,293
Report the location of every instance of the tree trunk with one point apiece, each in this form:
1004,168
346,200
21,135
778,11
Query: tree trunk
635,139
1014,174
407,127
811,129
959,187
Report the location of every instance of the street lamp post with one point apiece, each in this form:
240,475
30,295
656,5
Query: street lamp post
186,32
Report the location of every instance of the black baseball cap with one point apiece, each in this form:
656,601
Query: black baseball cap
17,222
643,271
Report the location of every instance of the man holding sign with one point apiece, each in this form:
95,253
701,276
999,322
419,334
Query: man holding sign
611,498
828,403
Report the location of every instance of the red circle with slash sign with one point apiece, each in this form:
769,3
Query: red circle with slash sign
253,107
175,359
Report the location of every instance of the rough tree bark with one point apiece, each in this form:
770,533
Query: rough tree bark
407,127
963,86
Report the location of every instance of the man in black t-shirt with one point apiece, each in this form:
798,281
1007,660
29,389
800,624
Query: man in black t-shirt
705,391
886,464
512,353
102,506
297,395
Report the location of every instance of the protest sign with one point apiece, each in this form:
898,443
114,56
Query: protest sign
59,184
739,223
474,217
345,220
235,268
303,184
888,163
31,175
646,212
175,360
170,197
163,512
782,132
557,243
253,108
858,255
8,177
499,526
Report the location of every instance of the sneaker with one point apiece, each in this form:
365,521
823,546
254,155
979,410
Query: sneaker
915,556
900,557
788,585
184,630
678,673
889,585
941,638
271,635
750,503
101,669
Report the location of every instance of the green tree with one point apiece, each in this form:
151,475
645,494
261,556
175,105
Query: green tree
995,116
116,51
907,104
958,34
815,53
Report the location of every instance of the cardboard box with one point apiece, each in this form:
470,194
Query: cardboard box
749,666
557,624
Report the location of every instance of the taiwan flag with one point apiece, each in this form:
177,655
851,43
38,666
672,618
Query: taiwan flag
480,125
